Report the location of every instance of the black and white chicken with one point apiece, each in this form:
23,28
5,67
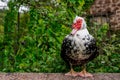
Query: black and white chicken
78,48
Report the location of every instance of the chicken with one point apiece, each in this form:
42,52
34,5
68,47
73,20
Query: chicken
78,48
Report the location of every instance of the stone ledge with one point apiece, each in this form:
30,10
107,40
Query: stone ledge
56,76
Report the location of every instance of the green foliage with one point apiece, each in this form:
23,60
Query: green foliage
34,45
2,15
87,4
1,33
108,59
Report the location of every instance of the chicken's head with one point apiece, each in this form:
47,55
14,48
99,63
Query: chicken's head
78,24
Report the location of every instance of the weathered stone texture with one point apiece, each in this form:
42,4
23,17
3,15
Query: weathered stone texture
110,7
56,76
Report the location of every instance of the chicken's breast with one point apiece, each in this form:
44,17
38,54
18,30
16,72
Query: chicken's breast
79,48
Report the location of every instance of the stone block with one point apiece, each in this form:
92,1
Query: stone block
57,76
118,3
114,1
118,11
119,19
107,1
116,8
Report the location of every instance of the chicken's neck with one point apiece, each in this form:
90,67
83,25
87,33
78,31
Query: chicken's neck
82,31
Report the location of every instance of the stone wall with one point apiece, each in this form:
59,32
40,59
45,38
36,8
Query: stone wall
56,76
110,8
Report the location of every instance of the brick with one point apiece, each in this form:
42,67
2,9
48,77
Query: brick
113,23
98,6
118,4
112,16
100,2
108,1
117,27
118,19
117,11
118,15
114,1
113,4
116,8
99,10
96,2
109,9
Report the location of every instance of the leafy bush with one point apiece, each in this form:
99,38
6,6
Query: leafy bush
108,59
1,33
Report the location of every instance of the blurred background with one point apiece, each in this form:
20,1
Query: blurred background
32,31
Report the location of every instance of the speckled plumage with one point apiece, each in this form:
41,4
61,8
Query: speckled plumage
80,48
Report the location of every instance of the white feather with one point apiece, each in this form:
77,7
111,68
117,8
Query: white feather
82,33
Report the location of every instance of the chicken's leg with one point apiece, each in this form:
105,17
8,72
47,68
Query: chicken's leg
71,72
84,73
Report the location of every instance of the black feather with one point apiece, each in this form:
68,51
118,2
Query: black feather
70,54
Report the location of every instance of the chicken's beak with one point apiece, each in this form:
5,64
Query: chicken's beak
74,31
